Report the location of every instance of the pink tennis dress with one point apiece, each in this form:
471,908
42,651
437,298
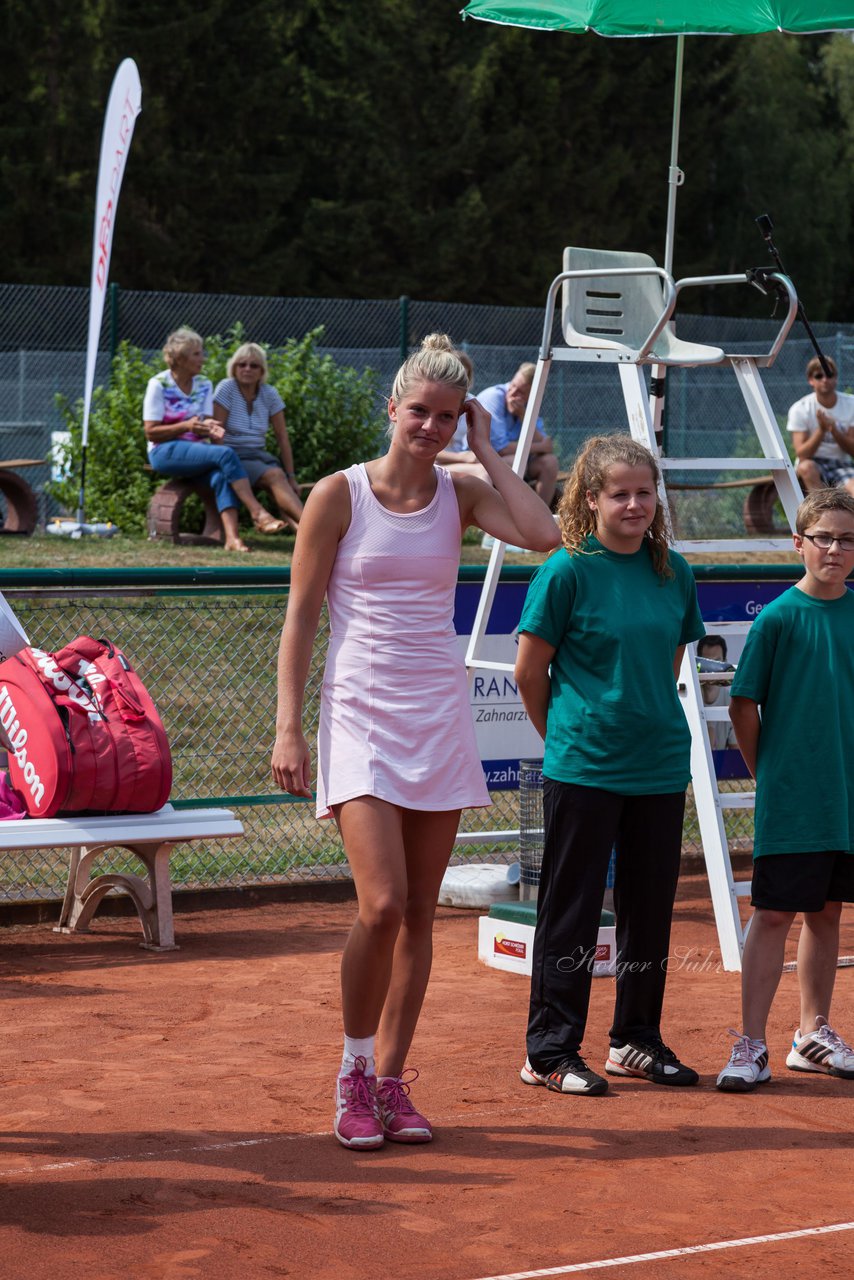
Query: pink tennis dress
395,720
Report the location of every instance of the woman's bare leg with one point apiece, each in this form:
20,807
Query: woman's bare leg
233,540
243,490
275,482
428,839
372,831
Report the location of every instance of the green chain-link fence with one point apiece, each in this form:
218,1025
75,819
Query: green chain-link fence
207,655
43,340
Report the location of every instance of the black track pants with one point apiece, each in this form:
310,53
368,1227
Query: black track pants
582,825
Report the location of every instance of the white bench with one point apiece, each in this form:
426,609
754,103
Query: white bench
150,836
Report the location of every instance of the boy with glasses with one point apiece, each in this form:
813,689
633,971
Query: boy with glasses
822,427
798,668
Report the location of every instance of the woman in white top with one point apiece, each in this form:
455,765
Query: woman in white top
248,407
397,757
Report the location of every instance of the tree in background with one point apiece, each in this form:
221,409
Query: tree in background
837,57
53,93
358,149
776,150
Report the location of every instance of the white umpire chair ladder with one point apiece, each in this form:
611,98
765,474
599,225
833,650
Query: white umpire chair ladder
616,309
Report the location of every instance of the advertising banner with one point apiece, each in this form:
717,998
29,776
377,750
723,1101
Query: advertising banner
505,735
123,107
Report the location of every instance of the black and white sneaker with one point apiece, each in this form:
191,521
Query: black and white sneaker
572,1076
651,1060
822,1050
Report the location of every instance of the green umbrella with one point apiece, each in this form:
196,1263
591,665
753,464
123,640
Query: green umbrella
669,18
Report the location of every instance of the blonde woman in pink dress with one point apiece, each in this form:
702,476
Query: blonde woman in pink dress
397,757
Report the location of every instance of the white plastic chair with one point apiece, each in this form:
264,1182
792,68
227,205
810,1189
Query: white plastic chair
626,309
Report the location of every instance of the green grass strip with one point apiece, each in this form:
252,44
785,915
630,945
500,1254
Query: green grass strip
237,801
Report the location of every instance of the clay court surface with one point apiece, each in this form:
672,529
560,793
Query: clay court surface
168,1117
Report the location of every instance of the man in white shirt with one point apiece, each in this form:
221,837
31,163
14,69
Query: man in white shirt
822,427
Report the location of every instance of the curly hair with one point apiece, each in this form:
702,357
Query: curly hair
590,472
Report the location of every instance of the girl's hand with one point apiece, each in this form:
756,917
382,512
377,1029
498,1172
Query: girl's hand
291,764
479,424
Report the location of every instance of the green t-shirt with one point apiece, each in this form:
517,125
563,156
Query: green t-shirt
614,719
798,664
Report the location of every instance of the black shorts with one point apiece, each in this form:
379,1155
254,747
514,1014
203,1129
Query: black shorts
802,881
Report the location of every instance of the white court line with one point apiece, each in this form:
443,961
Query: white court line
157,1155
602,1263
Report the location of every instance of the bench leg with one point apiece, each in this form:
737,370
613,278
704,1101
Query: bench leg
152,897
70,910
157,924
165,510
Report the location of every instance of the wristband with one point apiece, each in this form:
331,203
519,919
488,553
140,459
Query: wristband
292,475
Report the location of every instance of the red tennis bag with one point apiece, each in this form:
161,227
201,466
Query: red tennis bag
85,735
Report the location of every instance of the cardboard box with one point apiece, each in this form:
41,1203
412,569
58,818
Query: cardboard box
508,944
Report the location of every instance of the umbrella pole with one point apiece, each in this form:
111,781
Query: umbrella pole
675,178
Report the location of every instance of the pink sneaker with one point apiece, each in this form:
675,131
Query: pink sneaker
400,1121
357,1119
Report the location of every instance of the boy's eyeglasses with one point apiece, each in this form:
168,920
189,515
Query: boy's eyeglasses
824,541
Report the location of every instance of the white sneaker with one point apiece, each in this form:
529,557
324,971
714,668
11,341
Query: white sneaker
822,1050
747,1066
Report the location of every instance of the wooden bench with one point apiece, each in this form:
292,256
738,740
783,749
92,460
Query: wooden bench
166,509
758,509
21,502
150,836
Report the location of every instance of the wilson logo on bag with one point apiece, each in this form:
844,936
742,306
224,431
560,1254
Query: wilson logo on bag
84,733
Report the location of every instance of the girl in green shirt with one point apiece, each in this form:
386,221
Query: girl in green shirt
601,640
